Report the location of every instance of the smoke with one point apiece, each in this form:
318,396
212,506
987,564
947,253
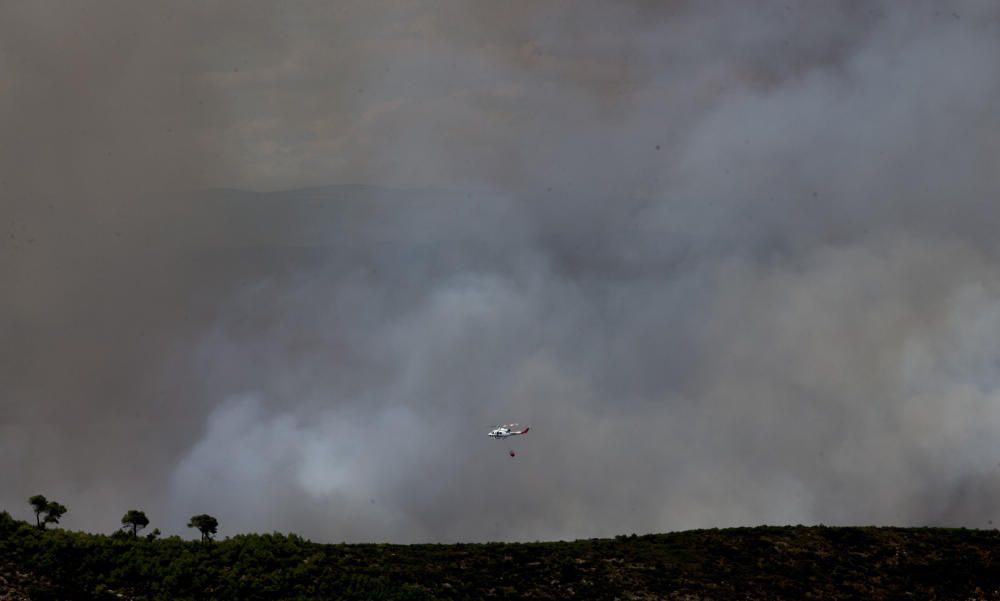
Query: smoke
732,266
106,117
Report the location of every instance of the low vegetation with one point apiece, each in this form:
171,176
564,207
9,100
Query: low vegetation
741,563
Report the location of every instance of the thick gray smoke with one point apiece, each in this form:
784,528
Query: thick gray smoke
733,264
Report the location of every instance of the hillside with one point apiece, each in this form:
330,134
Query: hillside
740,563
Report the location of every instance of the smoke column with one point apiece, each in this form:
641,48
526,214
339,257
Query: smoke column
732,264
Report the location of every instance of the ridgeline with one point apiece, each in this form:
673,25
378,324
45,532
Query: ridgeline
794,562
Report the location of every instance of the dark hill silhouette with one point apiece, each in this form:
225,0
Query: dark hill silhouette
794,562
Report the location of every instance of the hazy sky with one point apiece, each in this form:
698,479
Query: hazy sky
733,262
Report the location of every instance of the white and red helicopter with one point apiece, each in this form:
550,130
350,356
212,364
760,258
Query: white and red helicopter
506,431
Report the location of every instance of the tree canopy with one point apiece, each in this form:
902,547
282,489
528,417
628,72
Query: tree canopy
206,524
38,503
136,520
52,510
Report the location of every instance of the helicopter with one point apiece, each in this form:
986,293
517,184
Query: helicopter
506,431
